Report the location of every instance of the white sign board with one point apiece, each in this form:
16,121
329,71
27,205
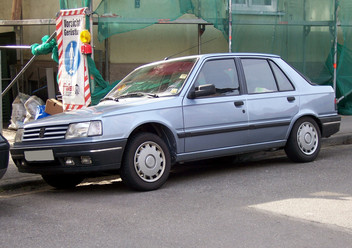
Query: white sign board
73,71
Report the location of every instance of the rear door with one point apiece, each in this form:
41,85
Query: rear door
272,100
218,121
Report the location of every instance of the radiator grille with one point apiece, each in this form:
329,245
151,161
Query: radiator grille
45,133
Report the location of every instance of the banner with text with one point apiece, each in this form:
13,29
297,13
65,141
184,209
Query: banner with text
73,68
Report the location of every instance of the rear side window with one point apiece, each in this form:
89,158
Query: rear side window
282,81
259,76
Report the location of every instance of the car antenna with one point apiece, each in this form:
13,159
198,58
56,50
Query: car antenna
166,58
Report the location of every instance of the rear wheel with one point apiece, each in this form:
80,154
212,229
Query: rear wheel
147,162
304,142
63,181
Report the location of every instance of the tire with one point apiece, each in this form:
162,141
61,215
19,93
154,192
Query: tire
147,162
63,181
303,144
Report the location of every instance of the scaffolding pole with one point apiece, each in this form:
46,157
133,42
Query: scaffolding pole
335,46
24,68
230,26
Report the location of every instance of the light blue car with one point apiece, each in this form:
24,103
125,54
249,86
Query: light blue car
179,110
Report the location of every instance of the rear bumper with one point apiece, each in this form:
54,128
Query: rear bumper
330,125
102,157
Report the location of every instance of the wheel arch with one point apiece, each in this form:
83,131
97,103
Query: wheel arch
310,115
162,131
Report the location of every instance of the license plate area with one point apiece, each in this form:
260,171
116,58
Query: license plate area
39,155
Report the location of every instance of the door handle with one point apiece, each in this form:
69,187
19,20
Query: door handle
239,103
291,98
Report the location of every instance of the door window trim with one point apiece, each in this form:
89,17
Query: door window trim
243,76
238,73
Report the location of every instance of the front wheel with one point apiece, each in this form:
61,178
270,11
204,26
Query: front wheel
303,144
147,162
63,181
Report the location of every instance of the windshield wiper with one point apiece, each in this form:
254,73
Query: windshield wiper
139,94
109,98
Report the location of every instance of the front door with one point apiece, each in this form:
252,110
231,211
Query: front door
216,122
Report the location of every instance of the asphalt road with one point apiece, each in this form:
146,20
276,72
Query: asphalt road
265,203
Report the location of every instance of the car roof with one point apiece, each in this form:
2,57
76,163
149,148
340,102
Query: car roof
213,55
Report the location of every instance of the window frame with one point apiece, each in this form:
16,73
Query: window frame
238,76
268,61
249,6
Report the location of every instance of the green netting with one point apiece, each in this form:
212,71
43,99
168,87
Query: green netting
117,17
46,48
303,33
300,31
98,86
344,72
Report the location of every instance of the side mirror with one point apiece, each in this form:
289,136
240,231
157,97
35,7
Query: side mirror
203,90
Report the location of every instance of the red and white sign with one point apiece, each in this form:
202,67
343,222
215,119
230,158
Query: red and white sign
73,66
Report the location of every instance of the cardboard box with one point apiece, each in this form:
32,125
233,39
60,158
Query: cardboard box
53,107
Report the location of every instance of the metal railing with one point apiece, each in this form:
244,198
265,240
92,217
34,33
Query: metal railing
23,70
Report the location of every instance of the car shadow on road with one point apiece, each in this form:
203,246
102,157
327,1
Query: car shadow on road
180,173
218,166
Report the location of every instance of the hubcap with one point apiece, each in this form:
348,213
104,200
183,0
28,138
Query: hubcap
307,138
149,161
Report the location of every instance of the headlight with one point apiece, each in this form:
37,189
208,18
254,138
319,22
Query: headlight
84,129
19,135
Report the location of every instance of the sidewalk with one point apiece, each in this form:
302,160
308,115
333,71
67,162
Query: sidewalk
13,179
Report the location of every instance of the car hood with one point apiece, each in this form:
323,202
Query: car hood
104,109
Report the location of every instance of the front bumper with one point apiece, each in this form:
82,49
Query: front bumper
99,157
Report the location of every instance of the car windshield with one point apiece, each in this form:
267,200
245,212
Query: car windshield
162,79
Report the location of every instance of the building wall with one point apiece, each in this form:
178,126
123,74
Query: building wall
5,14
126,50
162,40
159,41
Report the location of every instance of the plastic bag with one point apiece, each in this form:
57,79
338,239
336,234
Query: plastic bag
41,112
31,108
18,111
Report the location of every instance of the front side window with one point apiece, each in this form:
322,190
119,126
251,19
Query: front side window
161,79
220,73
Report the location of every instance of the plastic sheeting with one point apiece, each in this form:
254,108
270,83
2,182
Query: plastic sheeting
117,17
344,71
99,87
301,31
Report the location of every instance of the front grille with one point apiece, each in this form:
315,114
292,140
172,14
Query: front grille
45,133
